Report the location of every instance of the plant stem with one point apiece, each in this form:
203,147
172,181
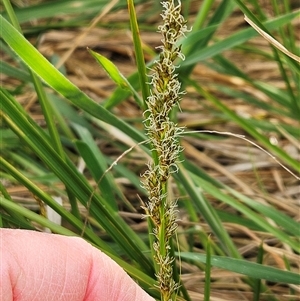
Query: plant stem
164,134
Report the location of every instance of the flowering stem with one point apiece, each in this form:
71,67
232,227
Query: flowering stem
164,136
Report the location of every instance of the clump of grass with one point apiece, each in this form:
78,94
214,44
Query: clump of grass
218,200
164,134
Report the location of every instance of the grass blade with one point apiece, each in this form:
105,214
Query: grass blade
40,65
250,269
138,53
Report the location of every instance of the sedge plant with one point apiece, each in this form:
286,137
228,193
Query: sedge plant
163,134
228,225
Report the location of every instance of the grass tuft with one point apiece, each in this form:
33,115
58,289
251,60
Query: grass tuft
76,134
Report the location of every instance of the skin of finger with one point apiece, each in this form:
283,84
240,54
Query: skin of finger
40,266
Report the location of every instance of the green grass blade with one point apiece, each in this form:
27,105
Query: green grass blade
11,15
250,269
120,94
249,128
138,53
208,212
55,8
17,217
257,282
112,70
202,14
274,93
65,214
25,127
207,271
281,219
220,14
104,185
14,72
235,39
7,204
58,82
258,219
47,110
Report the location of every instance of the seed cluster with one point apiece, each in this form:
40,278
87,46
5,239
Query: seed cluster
164,136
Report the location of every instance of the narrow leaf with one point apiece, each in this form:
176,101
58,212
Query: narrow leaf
250,269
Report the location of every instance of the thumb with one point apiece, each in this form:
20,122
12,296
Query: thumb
40,266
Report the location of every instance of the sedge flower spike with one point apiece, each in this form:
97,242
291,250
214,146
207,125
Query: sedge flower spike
164,134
